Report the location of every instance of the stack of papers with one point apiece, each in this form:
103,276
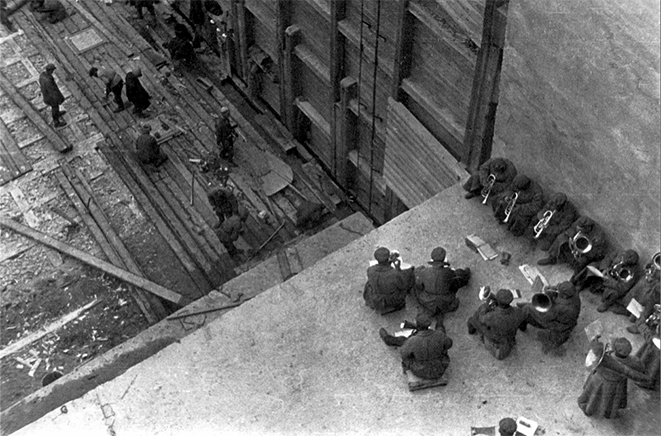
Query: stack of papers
531,273
476,244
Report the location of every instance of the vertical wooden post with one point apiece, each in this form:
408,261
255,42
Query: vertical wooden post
338,12
346,129
283,17
291,40
403,44
484,95
240,14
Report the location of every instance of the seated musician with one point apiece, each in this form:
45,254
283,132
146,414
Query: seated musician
615,275
645,292
425,354
584,242
559,316
559,213
502,171
497,325
387,283
518,204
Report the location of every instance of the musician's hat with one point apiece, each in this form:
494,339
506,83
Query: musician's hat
382,254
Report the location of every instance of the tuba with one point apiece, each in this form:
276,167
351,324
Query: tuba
580,244
487,189
543,301
620,272
510,206
543,223
600,355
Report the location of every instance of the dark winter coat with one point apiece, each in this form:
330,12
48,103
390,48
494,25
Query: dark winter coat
501,324
49,90
436,287
135,93
613,288
386,287
503,179
605,390
561,220
528,203
147,148
560,319
426,354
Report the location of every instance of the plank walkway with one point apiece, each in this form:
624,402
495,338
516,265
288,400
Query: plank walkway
173,196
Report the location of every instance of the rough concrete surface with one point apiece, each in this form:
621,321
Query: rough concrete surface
305,357
579,108
116,361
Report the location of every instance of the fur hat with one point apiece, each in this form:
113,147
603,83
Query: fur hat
422,321
630,257
565,289
507,427
499,164
504,297
558,199
585,223
622,347
50,67
521,182
382,254
438,255
92,72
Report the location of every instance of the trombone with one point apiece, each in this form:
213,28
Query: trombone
510,206
543,223
486,190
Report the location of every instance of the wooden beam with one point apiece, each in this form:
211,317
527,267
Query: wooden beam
282,21
239,7
337,13
34,336
291,40
484,95
12,156
104,266
34,116
403,48
346,129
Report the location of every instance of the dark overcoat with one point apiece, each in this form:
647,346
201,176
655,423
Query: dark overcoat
386,287
49,89
135,92
426,354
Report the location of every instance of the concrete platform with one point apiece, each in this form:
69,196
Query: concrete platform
305,357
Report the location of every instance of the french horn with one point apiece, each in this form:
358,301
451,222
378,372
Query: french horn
580,244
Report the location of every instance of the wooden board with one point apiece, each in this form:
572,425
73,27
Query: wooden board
85,40
13,163
95,262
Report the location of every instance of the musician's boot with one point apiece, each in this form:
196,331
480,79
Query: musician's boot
547,261
633,329
470,194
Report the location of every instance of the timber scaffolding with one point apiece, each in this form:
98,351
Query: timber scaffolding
173,196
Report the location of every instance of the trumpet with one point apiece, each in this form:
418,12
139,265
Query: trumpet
656,261
580,244
485,294
487,189
510,206
620,272
543,301
543,223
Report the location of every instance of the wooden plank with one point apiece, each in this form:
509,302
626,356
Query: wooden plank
106,267
34,116
50,328
313,63
24,206
352,34
403,44
150,305
282,21
486,80
295,264
283,265
17,164
314,116
242,37
292,35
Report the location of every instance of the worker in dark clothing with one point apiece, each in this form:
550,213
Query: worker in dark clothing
114,83
645,292
225,204
147,4
425,354
507,427
522,200
559,214
496,173
135,93
228,232
52,95
497,325
559,317
387,284
583,243
181,52
4,17
619,272
50,10
225,135
436,287
147,149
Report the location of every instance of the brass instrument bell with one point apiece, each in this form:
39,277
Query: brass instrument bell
656,261
543,301
510,206
580,244
543,223
486,190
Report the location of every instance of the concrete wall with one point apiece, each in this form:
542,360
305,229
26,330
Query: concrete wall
579,108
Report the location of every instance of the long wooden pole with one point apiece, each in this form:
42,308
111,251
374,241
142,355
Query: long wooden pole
95,262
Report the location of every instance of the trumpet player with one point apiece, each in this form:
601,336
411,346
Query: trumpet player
562,214
618,273
387,283
518,204
436,287
503,172
582,243
558,318
497,325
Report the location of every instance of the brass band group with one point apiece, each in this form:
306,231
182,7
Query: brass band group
554,225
